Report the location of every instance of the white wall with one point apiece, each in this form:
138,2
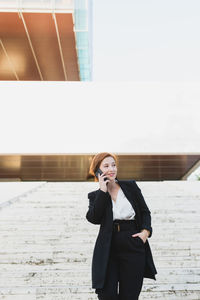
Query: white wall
50,117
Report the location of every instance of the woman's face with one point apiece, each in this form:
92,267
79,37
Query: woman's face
108,166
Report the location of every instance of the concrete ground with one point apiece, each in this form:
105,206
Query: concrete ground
47,243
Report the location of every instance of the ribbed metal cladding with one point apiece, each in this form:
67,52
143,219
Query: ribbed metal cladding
35,47
75,167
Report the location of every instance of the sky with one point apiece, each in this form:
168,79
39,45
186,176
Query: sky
146,40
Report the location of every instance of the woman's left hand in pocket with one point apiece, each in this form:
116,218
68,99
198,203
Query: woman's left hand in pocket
143,235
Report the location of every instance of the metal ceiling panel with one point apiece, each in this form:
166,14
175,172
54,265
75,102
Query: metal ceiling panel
67,37
43,36
6,68
14,39
30,47
75,167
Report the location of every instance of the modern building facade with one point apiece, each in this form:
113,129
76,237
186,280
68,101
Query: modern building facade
48,40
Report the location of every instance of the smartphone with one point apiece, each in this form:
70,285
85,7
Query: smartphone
99,172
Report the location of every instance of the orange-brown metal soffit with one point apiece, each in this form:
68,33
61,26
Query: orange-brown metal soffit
38,46
75,167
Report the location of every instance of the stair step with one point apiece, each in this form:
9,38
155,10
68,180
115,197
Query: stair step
47,243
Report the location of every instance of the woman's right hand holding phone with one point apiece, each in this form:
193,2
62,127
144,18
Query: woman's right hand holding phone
102,183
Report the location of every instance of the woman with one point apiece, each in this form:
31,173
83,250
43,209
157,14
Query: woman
122,255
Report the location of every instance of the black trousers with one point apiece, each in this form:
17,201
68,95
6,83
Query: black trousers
125,270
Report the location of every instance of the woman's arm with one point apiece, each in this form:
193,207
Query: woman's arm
145,212
97,205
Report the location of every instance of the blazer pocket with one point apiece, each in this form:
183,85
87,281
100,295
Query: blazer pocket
140,240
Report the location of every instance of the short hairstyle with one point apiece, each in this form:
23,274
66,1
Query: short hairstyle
96,161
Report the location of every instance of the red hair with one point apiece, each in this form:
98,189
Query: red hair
96,161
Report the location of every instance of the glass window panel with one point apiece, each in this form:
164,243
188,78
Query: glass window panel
83,53
80,4
80,20
37,4
82,39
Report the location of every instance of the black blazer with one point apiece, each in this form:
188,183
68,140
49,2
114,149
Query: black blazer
100,212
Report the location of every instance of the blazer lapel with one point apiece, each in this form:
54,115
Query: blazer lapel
127,192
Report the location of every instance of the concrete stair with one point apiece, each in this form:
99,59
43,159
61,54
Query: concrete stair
46,242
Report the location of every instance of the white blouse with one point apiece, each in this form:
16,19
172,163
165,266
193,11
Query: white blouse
122,208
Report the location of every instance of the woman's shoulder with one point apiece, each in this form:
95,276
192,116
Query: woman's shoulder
92,193
129,183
